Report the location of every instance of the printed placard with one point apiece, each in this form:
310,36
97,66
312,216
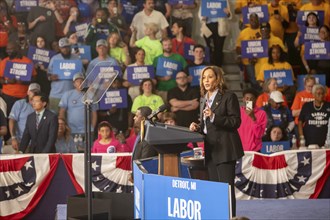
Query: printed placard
103,68
135,74
273,147
185,2
195,72
167,67
283,76
254,48
114,98
214,8
317,50
319,78
308,34
81,30
302,16
83,51
188,52
260,10
40,56
18,71
65,69
25,5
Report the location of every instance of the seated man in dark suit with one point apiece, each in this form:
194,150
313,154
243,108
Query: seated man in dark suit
41,128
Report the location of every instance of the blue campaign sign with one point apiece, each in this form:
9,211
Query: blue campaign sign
65,69
168,67
40,56
18,71
103,68
25,5
81,30
214,8
195,72
308,34
114,98
178,198
302,16
83,51
254,48
185,2
273,147
319,78
317,50
260,10
135,74
283,77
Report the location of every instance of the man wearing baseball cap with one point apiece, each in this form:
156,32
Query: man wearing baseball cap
277,114
18,115
59,86
72,108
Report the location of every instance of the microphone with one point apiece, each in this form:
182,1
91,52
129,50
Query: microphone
154,113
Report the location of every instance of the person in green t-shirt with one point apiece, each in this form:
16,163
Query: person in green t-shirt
118,49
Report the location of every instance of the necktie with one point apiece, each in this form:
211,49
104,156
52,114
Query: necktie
37,120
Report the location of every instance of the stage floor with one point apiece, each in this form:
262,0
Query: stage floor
285,209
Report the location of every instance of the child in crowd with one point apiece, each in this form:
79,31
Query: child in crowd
106,143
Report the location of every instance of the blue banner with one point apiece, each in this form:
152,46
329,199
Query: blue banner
40,56
260,10
273,147
65,69
18,71
25,5
319,78
254,48
135,74
308,34
103,68
188,52
283,77
83,51
302,16
81,30
195,72
168,67
185,2
317,50
214,8
114,98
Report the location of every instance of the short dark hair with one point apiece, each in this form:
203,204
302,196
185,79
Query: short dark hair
153,90
145,111
199,46
43,97
104,124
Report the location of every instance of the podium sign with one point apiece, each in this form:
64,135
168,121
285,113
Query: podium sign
163,197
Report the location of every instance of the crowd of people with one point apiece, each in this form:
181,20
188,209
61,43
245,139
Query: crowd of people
130,34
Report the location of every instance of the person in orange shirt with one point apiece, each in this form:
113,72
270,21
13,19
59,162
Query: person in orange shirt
12,89
302,97
269,86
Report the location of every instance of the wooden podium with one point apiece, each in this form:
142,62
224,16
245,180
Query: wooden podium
169,141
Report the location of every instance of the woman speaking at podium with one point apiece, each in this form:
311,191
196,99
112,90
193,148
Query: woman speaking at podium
219,120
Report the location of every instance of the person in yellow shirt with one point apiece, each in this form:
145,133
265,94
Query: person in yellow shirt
249,33
265,31
318,5
291,30
278,18
243,3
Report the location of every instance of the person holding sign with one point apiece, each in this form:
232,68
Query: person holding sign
312,22
72,21
318,5
314,117
239,4
180,37
16,72
254,121
275,133
220,118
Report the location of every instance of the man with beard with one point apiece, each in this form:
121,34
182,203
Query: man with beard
13,89
99,28
18,115
58,86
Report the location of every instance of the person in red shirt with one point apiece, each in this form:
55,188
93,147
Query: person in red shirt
180,38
